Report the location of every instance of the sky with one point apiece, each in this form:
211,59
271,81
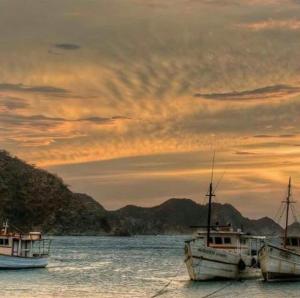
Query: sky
127,99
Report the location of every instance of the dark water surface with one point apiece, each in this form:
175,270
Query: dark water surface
125,267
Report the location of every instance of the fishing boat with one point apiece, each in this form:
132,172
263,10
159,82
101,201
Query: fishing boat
229,254
281,261
220,252
23,250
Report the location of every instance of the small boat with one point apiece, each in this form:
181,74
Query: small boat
281,261
23,250
219,252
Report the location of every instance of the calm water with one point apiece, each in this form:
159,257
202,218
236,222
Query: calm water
125,267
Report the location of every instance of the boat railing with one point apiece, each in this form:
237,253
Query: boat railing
41,247
275,240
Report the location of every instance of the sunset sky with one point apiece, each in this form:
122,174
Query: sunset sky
126,99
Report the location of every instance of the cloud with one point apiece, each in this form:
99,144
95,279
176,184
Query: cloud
12,103
41,119
264,136
264,93
271,24
40,130
32,89
247,2
244,153
67,46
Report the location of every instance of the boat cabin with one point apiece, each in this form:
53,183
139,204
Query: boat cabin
221,237
23,245
292,242
226,238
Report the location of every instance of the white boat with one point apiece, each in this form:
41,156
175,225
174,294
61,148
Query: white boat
229,255
220,252
23,250
281,261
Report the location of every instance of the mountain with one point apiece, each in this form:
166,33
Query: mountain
34,199
177,215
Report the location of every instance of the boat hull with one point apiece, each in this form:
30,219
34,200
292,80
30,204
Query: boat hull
11,262
278,263
205,263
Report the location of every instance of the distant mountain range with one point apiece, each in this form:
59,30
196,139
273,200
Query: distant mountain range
33,199
178,215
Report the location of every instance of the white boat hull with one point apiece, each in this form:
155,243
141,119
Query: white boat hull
278,263
205,263
11,262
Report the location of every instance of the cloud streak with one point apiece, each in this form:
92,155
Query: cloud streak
32,89
67,46
264,93
271,24
9,103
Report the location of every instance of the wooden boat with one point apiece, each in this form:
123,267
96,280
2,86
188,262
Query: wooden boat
229,255
281,261
23,250
220,252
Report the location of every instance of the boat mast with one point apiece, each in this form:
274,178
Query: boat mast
288,202
210,195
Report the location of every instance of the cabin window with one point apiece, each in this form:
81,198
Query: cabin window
211,240
227,240
294,241
3,242
218,240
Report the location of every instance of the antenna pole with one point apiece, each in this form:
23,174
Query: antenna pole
288,202
210,195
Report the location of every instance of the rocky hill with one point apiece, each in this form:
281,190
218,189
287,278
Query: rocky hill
178,215
33,199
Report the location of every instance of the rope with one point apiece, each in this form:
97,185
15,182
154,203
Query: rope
219,181
16,228
283,211
163,289
218,290
279,211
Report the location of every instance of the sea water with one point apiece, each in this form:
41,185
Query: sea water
141,266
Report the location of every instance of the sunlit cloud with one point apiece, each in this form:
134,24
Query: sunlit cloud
272,24
31,89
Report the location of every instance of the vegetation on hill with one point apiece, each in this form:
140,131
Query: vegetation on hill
33,199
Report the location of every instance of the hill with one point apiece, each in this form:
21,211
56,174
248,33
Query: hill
177,215
34,199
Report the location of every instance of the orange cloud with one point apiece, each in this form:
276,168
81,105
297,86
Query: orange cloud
271,24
